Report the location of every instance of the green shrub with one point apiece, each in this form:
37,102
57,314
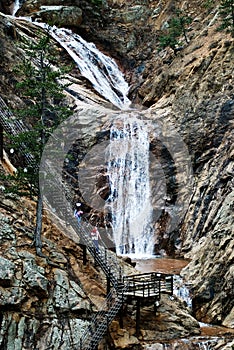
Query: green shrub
226,11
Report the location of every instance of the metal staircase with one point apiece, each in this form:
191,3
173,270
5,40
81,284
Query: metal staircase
102,319
105,259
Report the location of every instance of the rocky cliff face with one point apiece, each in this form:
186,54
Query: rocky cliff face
192,90
41,296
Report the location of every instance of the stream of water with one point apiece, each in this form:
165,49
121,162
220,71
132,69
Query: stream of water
16,7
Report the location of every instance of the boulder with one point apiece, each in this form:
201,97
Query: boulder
30,6
69,16
67,295
60,13
12,296
171,320
7,269
6,6
35,279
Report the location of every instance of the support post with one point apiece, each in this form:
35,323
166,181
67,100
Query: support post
172,286
138,316
121,316
84,250
155,307
105,255
108,287
1,142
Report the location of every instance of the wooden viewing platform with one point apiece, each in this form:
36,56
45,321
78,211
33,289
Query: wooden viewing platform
147,285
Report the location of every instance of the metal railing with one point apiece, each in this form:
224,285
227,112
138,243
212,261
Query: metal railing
103,257
150,280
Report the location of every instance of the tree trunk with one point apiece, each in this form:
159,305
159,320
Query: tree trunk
38,228
39,213
1,142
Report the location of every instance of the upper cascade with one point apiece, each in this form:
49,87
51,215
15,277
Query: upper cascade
101,70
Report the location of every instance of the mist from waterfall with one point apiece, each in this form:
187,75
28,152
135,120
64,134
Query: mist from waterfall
130,199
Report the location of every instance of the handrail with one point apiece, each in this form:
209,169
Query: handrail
102,256
166,280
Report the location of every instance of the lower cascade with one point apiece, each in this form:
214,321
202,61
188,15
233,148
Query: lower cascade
16,6
182,291
129,201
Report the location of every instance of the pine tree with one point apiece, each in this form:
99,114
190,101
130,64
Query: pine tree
45,109
176,27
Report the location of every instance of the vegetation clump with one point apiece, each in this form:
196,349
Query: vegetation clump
177,26
45,108
227,16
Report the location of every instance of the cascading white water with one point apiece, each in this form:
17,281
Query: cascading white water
101,70
131,210
16,7
181,290
204,345
130,198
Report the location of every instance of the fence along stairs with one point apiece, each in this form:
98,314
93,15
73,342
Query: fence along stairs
103,257
13,127
107,261
103,318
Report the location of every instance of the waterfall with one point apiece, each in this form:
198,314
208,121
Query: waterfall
204,345
129,201
16,7
181,290
101,70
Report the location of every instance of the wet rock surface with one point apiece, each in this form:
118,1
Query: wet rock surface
6,6
171,319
